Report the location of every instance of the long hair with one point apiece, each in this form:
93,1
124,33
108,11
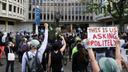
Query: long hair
80,52
57,45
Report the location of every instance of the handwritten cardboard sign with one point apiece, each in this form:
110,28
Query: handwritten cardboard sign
102,36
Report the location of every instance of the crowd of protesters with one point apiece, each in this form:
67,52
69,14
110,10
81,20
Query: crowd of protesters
67,47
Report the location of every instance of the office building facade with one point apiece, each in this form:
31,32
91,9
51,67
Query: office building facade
22,13
11,12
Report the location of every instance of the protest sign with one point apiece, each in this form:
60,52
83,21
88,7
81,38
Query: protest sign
102,36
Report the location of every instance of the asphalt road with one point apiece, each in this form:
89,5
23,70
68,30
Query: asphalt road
17,66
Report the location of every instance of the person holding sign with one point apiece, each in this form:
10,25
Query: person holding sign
107,64
100,37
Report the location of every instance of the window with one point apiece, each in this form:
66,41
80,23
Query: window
10,7
52,16
10,23
72,4
61,4
21,1
65,17
87,17
2,22
18,10
83,17
48,16
44,16
76,4
69,4
14,9
80,17
30,1
72,17
30,7
3,6
41,16
29,16
55,4
21,11
76,17
33,16
69,17
91,18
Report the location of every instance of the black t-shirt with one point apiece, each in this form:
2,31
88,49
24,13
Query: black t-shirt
79,64
56,61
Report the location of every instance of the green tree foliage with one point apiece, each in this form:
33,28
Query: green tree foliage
118,9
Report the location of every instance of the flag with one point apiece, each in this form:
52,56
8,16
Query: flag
37,15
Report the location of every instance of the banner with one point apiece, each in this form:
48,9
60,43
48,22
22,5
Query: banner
37,15
102,36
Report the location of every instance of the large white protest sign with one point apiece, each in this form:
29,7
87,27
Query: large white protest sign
102,36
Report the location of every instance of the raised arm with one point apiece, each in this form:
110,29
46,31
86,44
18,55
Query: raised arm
64,44
44,43
49,63
93,61
117,53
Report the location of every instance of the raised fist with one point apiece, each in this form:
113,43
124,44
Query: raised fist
46,25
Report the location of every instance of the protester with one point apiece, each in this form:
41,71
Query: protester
10,56
2,44
23,47
107,64
80,60
18,39
77,41
1,47
34,52
56,56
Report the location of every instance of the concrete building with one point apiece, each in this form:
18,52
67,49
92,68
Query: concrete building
11,12
18,15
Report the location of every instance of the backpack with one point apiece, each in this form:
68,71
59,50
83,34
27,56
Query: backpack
34,64
24,47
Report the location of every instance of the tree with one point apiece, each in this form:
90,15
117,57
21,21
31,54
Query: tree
118,9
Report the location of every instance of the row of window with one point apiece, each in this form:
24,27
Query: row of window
48,17
19,1
12,8
49,9
58,4
44,1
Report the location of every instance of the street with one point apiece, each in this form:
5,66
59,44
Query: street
17,66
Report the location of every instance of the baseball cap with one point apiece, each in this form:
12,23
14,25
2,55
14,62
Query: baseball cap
35,43
108,65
